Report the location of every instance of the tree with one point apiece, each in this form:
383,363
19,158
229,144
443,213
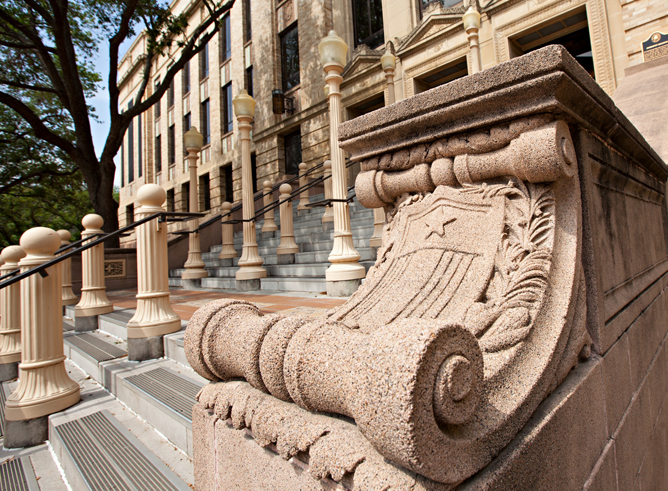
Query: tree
39,184
46,47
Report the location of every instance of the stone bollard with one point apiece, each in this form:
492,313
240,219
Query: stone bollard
269,224
44,386
288,247
154,316
328,217
94,299
303,181
69,298
10,323
228,252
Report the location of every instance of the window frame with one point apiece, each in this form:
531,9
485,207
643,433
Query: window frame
369,39
227,110
285,81
225,39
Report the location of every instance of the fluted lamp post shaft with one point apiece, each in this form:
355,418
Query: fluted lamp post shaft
345,274
194,266
471,21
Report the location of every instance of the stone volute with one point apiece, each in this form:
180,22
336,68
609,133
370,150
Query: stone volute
154,316
10,322
69,298
44,386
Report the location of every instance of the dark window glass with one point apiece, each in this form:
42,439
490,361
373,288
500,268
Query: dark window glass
131,152
205,122
185,196
290,58
158,154
204,62
225,39
122,163
293,152
249,80
254,172
368,22
445,3
185,82
228,113
171,144
139,146
205,192
170,200
156,107
187,123
248,32
129,214
170,94
229,188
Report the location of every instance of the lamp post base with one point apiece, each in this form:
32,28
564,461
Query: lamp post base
9,371
343,288
142,349
191,284
194,274
26,432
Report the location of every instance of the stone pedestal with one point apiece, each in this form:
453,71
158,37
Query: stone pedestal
94,299
154,316
10,322
44,386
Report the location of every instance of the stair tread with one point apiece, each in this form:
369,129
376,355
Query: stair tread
17,474
108,456
98,349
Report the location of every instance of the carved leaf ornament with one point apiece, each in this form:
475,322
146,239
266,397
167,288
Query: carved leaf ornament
471,315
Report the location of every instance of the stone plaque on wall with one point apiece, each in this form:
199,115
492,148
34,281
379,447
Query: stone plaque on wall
655,47
114,268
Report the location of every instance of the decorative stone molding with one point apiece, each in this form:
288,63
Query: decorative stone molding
94,299
114,268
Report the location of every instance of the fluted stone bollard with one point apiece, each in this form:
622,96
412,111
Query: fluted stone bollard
69,298
154,316
10,322
269,224
287,247
228,252
376,239
44,386
303,181
94,299
328,216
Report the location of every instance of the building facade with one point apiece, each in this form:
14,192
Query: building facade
272,45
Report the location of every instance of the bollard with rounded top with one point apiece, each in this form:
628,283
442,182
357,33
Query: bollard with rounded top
269,224
194,266
44,386
303,181
94,299
329,210
69,298
228,251
154,316
288,247
10,322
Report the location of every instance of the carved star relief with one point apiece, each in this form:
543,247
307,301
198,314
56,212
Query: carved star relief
437,221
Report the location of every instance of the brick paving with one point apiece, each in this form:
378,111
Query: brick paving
186,302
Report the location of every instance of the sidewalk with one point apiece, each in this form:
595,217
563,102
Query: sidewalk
186,302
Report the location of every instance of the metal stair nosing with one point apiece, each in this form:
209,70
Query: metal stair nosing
116,323
89,357
17,474
98,453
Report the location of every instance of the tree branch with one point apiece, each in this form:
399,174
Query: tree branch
37,173
37,88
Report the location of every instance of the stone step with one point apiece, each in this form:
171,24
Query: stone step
212,261
17,474
314,285
90,351
362,234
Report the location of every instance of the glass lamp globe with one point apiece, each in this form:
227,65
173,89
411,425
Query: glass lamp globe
471,19
388,61
244,105
193,138
333,50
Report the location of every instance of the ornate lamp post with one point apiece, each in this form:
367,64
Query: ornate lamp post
388,62
194,265
345,274
471,21
250,271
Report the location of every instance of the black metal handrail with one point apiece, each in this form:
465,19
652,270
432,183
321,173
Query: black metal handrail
162,216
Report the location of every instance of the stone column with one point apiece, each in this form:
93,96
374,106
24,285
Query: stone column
288,247
69,298
269,224
345,274
94,299
472,25
303,181
44,386
194,266
328,216
154,316
250,271
10,323
228,252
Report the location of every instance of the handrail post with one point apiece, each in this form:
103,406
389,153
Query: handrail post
288,247
328,216
94,299
154,316
10,323
44,386
269,224
228,252
303,181
69,298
